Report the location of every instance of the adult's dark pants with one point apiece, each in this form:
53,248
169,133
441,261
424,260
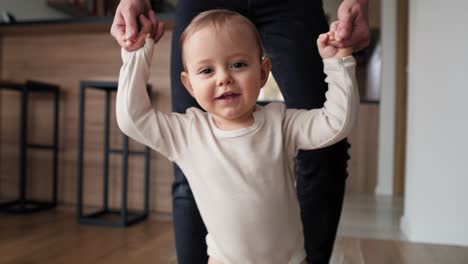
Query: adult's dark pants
289,30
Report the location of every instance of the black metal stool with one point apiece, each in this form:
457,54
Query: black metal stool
23,204
107,216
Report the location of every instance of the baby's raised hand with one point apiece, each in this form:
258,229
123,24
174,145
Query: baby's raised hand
150,28
328,51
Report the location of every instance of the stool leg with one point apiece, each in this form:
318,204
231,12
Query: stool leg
79,173
147,158
23,148
106,151
147,182
124,179
56,148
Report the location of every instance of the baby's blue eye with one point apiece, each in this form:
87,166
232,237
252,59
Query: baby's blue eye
239,65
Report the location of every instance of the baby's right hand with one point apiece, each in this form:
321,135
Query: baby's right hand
328,51
150,28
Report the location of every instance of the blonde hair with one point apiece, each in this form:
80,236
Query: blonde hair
219,18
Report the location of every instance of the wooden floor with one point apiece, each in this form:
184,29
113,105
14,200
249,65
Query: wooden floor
55,237
371,216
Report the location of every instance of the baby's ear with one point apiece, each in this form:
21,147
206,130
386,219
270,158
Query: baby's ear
265,70
184,77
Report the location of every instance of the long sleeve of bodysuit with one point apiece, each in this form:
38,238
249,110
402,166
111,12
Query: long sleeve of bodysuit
166,133
318,128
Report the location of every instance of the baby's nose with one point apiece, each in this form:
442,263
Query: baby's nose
224,78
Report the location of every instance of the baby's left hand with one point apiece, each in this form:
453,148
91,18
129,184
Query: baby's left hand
328,51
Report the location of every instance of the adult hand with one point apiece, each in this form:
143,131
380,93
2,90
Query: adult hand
150,28
125,26
352,26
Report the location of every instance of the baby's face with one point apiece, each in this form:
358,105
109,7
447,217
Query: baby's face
224,71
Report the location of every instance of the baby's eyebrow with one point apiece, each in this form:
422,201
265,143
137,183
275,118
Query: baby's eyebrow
207,61
239,54
199,62
202,62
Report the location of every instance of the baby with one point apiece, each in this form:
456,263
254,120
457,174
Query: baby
238,157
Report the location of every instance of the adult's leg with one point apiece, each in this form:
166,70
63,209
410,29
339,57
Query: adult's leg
189,229
190,232
289,30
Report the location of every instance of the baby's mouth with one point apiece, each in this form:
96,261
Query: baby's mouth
228,95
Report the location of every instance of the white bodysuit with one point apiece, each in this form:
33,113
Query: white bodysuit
243,180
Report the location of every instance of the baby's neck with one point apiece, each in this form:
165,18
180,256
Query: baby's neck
233,124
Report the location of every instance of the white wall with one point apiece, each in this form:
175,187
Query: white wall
436,193
30,10
387,100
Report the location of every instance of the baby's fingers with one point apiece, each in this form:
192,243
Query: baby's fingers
138,43
322,41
